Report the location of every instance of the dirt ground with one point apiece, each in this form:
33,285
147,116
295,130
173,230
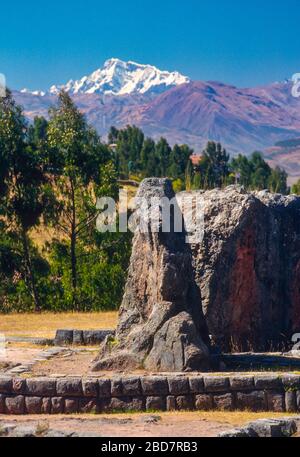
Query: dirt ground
68,363
76,361
177,424
17,354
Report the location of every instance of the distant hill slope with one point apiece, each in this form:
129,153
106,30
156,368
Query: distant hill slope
190,112
286,154
242,119
289,143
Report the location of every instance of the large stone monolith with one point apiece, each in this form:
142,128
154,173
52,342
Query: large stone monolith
161,325
248,268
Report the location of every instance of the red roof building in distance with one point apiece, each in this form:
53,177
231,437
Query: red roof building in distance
196,159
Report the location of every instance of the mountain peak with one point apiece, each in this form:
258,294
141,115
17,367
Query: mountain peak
117,77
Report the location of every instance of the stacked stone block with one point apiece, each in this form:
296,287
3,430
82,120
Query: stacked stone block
71,395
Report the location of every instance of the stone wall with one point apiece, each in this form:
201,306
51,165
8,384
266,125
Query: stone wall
149,393
68,337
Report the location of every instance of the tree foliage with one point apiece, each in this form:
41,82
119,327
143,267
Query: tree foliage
296,188
51,174
137,155
26,194
217,170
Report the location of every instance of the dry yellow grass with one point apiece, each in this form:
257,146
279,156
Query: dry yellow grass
43,234
234,418
44,325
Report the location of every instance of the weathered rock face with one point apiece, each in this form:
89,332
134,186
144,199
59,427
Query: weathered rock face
161,324
248,268
241,281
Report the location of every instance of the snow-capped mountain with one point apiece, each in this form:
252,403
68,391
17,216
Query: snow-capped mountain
123,78
242,119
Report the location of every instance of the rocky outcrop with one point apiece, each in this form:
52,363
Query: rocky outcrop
241,280
265,428
248,268
161,324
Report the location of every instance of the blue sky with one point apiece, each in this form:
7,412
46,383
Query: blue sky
42,43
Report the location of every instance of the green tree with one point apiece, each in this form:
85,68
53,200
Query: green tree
163,154
113,135
215,165
129,146
296,188
149,163
242,166
82,171
261,172
37,132
28,193
178,185
178,161
278,181
197,180
188,176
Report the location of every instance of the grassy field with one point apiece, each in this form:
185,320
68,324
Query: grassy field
44,325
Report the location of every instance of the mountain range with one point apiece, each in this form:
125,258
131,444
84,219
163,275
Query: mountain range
120,78
169,104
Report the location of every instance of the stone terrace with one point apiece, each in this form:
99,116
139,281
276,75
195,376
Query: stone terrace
56,395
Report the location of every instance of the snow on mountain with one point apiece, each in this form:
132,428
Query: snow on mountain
35,92
123,78
242,119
